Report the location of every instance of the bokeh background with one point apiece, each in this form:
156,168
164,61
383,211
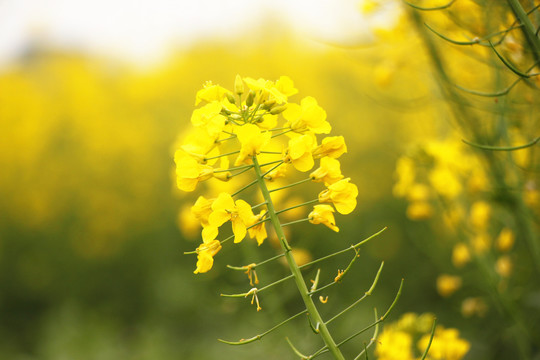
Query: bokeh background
93,97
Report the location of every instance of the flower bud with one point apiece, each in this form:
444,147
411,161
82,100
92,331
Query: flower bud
278,109
238,85
230,97
268,104
250,97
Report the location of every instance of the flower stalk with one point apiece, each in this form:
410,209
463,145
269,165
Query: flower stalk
293,266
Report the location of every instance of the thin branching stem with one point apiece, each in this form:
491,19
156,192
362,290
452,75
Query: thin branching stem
350,248
373,338
257,264
430,339
297,206
440,7
368,293
293,266
502,148
260,336
291,185
221,155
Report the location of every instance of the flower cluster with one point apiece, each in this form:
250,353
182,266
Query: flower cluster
256,130
398,339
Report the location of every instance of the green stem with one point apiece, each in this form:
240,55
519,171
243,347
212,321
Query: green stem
291,185
295,270
528,29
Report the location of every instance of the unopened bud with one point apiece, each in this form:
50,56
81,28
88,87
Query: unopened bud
230,97
238,85
278,109
223,175
250,97
268,104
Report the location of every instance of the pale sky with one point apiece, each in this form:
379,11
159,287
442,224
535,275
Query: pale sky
146,29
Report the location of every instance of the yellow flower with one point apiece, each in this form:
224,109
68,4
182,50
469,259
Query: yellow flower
481,242
189,172
445,182
238,212
503,266
446,345
209,117
323,214
188,223
448,284
277,173
307,116
286,86
252,140
342,194
266,90
506,240
205,256
331,146
419,210
460,255
394,345
480,214
258,231
329,171
210,93
406,173
473,306
202,209
299,152
200,145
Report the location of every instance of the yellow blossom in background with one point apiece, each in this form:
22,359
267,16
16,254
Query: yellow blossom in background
405,173
446,345
301,256
323,214
481,242
448,284
460,255
418,192
188,222
394,345
505,240
479,215
445,182
419,210
472,306
342,194
503,266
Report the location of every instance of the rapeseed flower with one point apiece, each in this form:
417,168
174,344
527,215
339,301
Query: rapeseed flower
342,194
323,214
